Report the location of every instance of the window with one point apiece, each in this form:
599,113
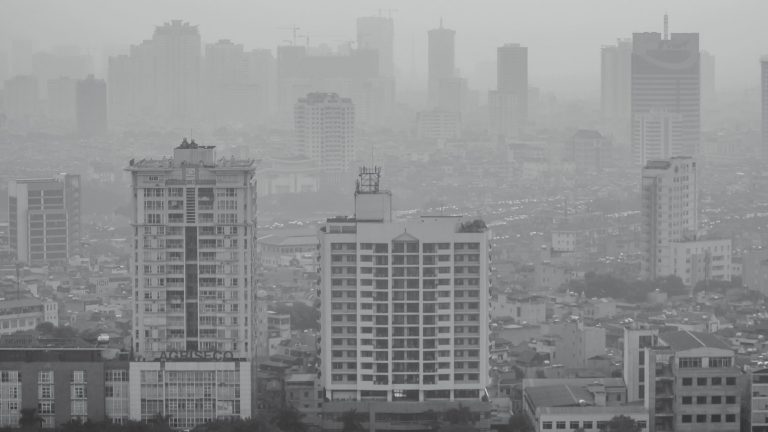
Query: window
730,418
560,425
687,400
730,399
573,425
715,418
546,425
687,381
730,381
719,362
686,418
701,381
717,381
701,418
690,362
717,400
701,400
587,424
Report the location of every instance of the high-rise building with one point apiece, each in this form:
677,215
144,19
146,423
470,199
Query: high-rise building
671,243
91,107
669,211
708,74
44,219
404,311
325,130
21,99
441,60
194,221
177,52
764,100
230,96
759,400
508,104
377,33
61,103
615,88
665,79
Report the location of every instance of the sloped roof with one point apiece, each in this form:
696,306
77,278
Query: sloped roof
686,340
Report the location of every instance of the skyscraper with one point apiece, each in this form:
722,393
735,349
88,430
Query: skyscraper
509,103
229,96
764,100
325,130
194,223
91,107
44,219
177,51
404,310
615,89
377,32
665,79
62,101
441,58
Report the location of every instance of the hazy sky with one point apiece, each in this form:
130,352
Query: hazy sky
563,36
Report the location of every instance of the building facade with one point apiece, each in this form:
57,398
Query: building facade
615,88
509,102
404,306
377,33
26,314
669,211
441,59
325,130
665,79
44,219
194,221
91,107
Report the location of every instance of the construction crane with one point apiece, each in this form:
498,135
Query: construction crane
294,29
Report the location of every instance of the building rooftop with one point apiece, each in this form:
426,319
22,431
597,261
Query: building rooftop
559,395
296,240
686,340
616,409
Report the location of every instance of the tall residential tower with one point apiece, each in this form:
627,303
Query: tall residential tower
404,310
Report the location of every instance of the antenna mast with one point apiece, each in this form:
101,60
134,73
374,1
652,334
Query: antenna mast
666,26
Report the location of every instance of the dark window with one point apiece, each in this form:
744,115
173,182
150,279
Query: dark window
730,381
686,418
687,381
701,400
717,381
701,418
715,418
730,399
716,400
701,381
687,400
730,418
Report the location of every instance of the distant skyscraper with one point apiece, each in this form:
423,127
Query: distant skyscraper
441,58
230,97
91,107
195,222
44,219
61,101
377,33
177,51
404,311
508,105
615,89
325,130
21,98
764,100
669,210
665,79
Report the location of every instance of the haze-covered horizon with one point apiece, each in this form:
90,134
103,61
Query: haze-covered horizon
563,38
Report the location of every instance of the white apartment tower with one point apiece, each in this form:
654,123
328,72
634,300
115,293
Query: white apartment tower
669,211
404,305
325,130
194,221
666,80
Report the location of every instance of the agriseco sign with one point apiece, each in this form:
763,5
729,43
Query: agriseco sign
197,356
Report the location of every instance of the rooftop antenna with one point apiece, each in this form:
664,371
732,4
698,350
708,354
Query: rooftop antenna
666,26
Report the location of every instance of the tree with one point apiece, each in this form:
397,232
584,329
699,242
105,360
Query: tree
622,423
519,423
289,420
460,415
29,418
351,422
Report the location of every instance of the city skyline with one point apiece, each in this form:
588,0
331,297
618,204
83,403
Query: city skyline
534,29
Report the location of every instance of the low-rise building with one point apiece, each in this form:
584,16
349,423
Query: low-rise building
573,403
301,393
530,310
701,260
26,314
